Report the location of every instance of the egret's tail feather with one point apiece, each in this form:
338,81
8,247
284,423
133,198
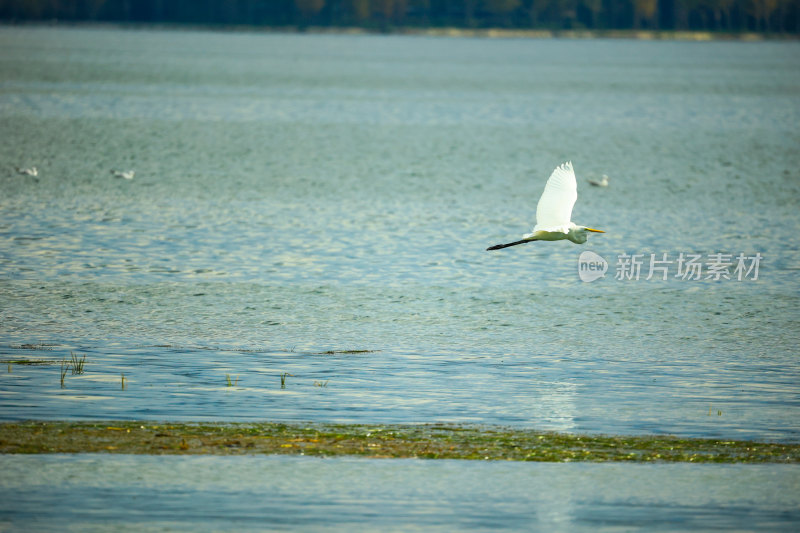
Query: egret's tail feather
499,246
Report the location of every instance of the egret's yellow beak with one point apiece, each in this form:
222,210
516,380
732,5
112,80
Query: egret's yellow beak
595,230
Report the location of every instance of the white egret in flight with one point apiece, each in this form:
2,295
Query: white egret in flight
554,211
126,174
602,183
28,171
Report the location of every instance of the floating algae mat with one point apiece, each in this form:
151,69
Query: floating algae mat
379,441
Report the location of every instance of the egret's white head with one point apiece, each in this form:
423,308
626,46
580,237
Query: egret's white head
580,234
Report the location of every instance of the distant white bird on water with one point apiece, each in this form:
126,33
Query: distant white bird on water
602,183
554,211
126,174
28,171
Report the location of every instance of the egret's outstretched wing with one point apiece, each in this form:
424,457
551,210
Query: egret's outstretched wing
555,206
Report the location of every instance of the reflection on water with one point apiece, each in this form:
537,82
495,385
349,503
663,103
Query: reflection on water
299,194
148,493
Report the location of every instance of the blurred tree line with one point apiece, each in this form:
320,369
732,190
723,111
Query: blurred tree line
777,16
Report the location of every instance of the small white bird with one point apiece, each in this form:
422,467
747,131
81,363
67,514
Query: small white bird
28,171
126,174
602,183
554,211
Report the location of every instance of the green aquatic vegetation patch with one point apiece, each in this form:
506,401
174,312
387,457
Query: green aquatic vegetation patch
29,362
428,441
39,346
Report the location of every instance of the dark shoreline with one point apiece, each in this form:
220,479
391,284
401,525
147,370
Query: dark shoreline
452,32
425,441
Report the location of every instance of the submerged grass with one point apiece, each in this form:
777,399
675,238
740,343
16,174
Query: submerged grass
77,363
30,362
40,346
435,441
64,370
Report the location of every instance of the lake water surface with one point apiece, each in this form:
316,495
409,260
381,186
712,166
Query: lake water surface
150,493
320,206
300,194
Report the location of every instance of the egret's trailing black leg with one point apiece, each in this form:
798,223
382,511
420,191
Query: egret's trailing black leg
499,246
